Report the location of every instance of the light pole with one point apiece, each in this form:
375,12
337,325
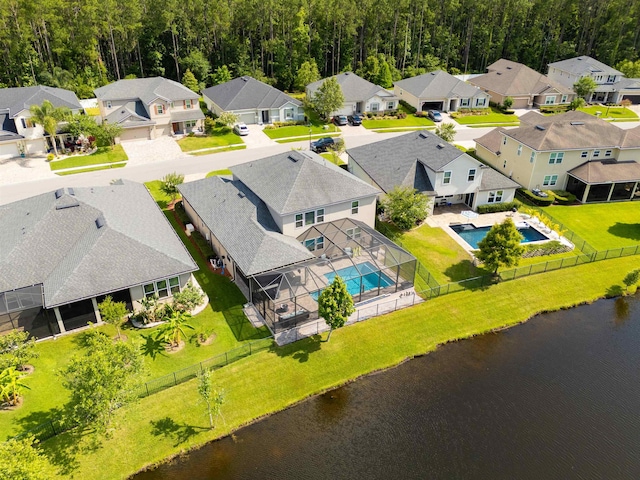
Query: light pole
609,104
310,130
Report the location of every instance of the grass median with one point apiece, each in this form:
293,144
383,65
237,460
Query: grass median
173,421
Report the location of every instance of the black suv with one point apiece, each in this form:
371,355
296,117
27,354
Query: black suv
322,144
354,120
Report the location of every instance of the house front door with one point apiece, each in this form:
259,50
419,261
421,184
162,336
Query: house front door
176,127
265,116
468,199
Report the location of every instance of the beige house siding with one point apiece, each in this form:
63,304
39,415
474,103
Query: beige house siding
137,292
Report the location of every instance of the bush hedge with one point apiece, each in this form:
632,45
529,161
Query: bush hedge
497,207
202,244
552,247
554,109
563,197
181,213
535,199
408,108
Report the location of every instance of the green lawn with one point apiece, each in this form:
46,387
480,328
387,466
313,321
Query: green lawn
219,150
335,160
409,121
299,131
103,155
613,112
217,139
492,118
302,139
602,225
216,173
91,169
173,421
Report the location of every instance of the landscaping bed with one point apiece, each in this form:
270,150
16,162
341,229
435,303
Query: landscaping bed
402,118
101,156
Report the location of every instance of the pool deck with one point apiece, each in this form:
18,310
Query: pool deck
444,217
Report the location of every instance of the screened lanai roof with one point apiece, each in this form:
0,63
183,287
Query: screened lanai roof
346,247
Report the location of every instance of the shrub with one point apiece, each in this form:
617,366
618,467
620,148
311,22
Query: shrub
535,199
16,350
497,207
181,213
547,248
407,107
420,114
509,112
50,157
187,299
564,198
209,125
402,115
202,244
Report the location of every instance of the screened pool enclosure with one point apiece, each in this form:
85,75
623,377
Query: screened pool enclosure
370,264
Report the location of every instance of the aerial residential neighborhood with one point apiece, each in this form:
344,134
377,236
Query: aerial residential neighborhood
212,215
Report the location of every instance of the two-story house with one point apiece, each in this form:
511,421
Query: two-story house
18,134
425,162
439,90
286,225
526,87
253,101
593,159
360,95
612,86
147,108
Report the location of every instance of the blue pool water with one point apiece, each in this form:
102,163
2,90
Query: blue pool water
358,280
472,235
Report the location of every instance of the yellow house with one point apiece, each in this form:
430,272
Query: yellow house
593,159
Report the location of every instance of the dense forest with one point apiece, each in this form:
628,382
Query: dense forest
81,44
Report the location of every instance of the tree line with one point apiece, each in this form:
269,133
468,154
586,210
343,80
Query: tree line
82,44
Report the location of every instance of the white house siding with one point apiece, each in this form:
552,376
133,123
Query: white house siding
8,150
459,185
482,197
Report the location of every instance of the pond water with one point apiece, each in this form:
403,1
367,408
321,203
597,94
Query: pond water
555,398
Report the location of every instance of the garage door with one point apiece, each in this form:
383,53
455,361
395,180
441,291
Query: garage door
431,106
248,118
635,99
520,103
134,134
8,150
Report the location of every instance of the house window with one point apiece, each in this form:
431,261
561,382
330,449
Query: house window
504,140
596,153
375,107
288,113
464,102
472,175
27,123
188,104
190,123
556,157
390,105
519,149
314,216
298,220
355,207
607,153
532,158
564,99
159,109
310,218
549,99
353,233
584,155
611,79
109,104
162,288
310,244
550,180
319,243
446,178
495,196
481,102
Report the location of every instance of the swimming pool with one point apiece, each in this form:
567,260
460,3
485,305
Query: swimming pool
472,234
359,280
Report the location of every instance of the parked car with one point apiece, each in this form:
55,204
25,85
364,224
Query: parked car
354,119
434,115
322,144
241,129
340,120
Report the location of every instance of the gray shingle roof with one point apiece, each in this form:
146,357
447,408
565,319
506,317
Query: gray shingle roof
131,112
512,78
393,161
604,171
295,181
494,180
21,98
145,89
57,242
583,65
354,88
247,93
243,225
438,84
188,114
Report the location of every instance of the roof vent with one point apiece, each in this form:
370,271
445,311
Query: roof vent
577,123
440,146
508,68
423,135
498,73
71,191
59,192
245,79
433,73
541,128
100,222
241,195
295,157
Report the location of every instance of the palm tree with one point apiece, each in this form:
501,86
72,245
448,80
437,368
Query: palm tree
11,386
173,330
48,116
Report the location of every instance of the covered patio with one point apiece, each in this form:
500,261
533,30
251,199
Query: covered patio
370,264
605,181
187,121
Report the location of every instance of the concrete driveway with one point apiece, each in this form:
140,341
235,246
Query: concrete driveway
257,138
147,151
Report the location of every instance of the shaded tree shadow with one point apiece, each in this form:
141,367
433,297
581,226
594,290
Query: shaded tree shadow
40,417
241,326
625,230
300,350
178,432
469,277
621,311
151,346
63,450
614,291
81,340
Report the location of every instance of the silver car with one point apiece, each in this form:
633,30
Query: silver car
241,129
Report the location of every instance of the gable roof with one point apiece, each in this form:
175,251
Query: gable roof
438,84
512,78
584,65
401,160
605,171
242,224
145,89
83,242
571,130
494,180
295,181
130,114
21,98
246,93
354,88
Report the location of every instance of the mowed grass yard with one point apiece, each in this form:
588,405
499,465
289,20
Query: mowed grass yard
220,137
616,113
494,117
174,420
102,155
299,131
409,121
602,225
